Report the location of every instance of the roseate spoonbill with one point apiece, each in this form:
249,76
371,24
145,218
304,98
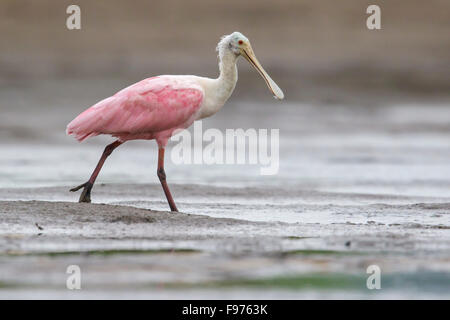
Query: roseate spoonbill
155,107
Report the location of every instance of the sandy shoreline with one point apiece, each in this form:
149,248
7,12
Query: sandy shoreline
123,249
356,187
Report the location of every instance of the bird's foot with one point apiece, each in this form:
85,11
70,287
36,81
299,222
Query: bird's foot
86,194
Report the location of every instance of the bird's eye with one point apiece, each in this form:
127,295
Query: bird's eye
240,42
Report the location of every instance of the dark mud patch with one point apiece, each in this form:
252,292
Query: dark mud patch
425,226
320,253
105,252
432,206
133,219
297,238
294,282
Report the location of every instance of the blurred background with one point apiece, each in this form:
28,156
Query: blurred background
318,51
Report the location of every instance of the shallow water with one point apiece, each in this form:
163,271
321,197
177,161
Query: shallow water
121,249
391,150
393,155
376,177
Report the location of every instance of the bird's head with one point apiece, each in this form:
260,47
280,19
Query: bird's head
240,46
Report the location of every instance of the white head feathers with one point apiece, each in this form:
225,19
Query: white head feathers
228,42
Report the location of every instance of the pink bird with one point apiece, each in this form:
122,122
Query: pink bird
156,107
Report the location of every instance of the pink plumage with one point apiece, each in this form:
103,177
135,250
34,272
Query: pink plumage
150,109
156,107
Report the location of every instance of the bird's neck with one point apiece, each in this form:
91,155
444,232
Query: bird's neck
220,89
228,74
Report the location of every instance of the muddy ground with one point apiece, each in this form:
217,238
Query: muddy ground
357,186
129,252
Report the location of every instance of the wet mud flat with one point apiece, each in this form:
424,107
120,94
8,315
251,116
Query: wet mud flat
357,186
127,249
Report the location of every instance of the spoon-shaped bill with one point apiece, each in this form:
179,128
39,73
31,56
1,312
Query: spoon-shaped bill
251,58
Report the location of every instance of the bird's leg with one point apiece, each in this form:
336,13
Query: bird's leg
162,178
86,194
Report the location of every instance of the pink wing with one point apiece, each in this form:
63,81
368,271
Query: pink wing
150,106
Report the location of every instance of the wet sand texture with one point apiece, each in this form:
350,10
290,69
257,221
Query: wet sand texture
125,251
